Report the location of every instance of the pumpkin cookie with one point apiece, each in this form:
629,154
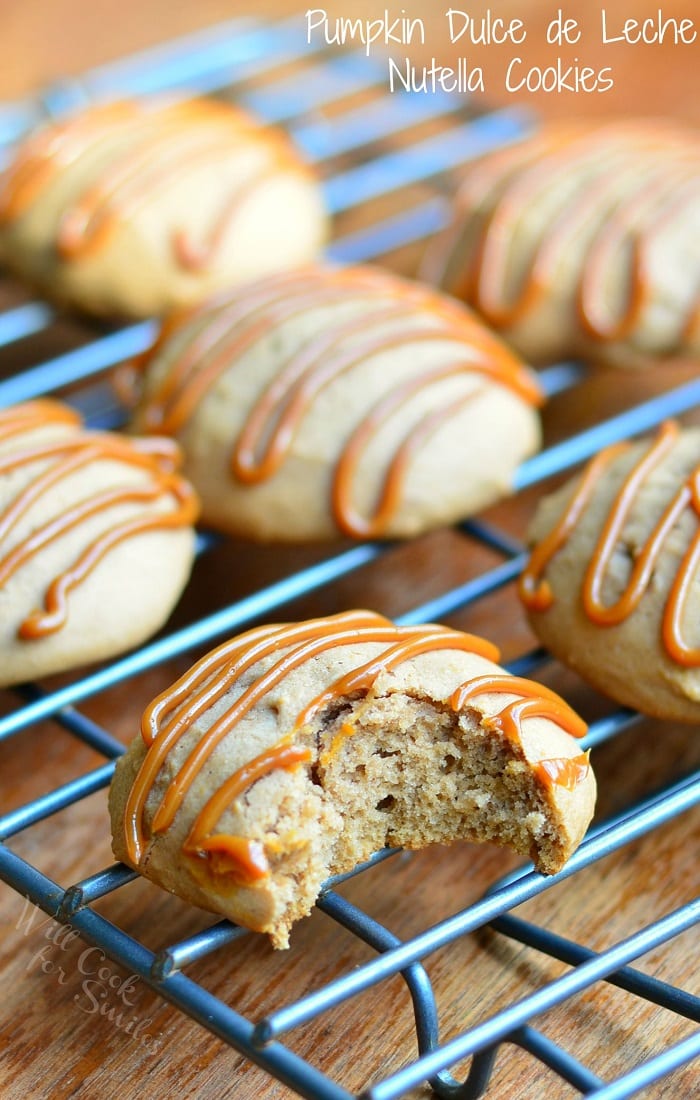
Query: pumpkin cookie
96,540
613,583
583,240
339,402
132,208
292,753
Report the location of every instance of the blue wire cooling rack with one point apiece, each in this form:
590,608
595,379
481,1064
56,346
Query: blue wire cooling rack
223,60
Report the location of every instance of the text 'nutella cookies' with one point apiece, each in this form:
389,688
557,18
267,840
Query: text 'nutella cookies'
583,240
292,753
96,540
132,208
613,583
339,402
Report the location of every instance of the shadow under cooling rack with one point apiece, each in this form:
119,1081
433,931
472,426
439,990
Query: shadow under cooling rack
370,147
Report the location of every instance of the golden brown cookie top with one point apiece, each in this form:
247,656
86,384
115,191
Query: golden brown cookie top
43,446
621,193
126,154
638,503
333,324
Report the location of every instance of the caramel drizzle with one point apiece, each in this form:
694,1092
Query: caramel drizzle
504,168
161,144
641,217
213,344
670,197
565,771
173,713
484,280
196,256
65,456
267,437
56,147
86,227
34,415
244,859
346,516
538,702
240,856
536,592
692,328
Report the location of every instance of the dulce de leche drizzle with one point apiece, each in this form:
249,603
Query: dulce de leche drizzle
131,153
282,649
536,592
57,456
619,187
399,316
536,701
565,771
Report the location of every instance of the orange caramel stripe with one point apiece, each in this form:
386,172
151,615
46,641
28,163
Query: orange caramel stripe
223,330
612,531
203,685
347,518
425,639
444,266
240,859
564,771
196,256
57,146
312,644
672,623
533,588
490,265
143,148
266,439
487,275
173,713
536,593
509,721
547,704
284,404
214,345
168,701
665,180
36,414
660,202
282,756
66,455
212,677
86,227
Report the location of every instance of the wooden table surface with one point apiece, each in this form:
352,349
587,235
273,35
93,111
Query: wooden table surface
54,1040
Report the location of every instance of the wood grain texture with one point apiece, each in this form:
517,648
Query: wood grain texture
61,1037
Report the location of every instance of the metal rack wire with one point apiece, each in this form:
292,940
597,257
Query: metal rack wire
223,60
